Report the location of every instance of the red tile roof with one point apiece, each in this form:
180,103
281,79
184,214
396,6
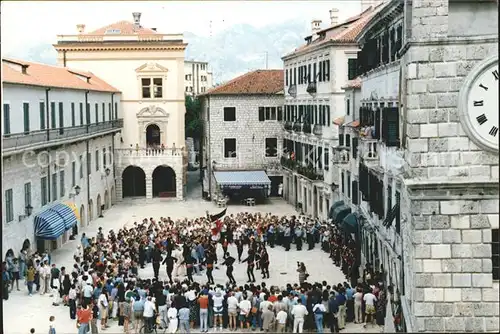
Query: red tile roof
122,28
256,82
345,32
44,75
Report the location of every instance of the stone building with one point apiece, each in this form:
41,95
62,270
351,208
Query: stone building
198,78
148,68
243,132
314,76
58,130
429,197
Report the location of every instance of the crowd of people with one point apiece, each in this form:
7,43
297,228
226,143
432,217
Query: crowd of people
106,281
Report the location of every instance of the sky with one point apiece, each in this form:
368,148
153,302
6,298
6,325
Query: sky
25,24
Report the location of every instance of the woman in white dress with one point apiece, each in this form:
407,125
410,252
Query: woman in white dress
173,322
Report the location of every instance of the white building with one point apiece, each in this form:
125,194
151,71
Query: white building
58,129
314,104
197,77
150,74
243,135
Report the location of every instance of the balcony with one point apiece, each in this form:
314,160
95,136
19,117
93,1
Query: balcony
306,128
318,130
34,140
288,126
311,88
297,127
368,150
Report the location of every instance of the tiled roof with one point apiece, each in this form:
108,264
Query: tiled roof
345,32
122,28
256,82
354,83
44,75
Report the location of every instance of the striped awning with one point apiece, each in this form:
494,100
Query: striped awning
51,223
242,178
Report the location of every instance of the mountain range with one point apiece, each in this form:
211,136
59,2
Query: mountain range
231,52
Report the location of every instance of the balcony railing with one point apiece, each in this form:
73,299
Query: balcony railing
318,130
306,128
288,126
369,149
46,138
297,127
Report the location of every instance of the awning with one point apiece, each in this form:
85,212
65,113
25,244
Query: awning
353,124
350,223
54,221
338,121
340,212
74,208
333,207
238,179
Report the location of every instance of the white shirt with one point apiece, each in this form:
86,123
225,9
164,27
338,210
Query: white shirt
370,299
245,307
232,303
149,309
281,317
299,311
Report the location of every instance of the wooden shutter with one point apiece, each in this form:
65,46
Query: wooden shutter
352,65
280,113
355,147
355,195
261,114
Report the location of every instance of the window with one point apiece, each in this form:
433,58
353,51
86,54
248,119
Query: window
348,107
97,157
352,65
62,186
73,173
54,187
27,194
81,113
229,114
73,118
97,113
53,123
44,190
230,148
41,106
89,163
271,147
61,118
9,206
26,115
495,253
104,112
152,87
81,166
104,158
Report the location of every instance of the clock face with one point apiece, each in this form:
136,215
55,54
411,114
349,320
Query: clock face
480,105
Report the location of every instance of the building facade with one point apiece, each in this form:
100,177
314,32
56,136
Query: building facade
243,131
58,131
314,76
425,152
197,77
148,68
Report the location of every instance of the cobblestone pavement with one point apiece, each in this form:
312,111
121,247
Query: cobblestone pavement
22,312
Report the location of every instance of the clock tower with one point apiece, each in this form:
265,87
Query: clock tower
450,135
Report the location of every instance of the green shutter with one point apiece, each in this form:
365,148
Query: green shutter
6,119
42,115
26,112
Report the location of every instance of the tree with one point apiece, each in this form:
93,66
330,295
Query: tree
193,121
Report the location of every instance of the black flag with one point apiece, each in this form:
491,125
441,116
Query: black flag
219,215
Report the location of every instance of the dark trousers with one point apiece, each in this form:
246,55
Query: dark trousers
156,268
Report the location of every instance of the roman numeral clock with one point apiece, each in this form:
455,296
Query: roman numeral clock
478,104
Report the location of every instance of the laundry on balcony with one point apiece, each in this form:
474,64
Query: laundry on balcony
340,213
339,121
243,179
350,223
353,124
391,215
333,207
51,223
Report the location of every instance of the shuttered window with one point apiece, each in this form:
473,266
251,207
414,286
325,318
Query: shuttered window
352,65
26,113
390,126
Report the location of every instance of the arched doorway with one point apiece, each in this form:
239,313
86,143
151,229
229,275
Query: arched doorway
91,211
99,206
133,182
153,135
113,195
164,182
82,216
106,200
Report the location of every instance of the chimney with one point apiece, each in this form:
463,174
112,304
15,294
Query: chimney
137,19
315,26
334,16
80,28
